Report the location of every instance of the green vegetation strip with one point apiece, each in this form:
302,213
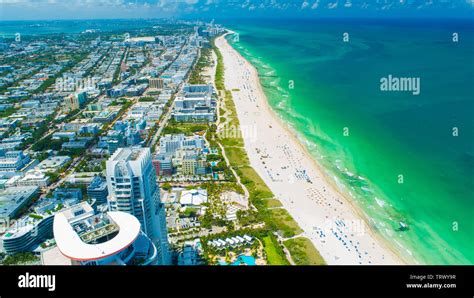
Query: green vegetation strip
219,68
273,203
285,224
203,62
275,255
303,252
188,129
275,219
23,258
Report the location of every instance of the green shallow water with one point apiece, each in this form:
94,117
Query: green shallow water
337,86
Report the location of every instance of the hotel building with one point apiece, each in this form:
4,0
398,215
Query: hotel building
196,103
156,83
84,237
75,101
131,180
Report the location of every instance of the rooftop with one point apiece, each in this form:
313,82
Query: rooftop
13,197
194,197
72,239
127,154
54,257
95,228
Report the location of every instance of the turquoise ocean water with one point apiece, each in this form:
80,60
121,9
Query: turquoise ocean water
337,86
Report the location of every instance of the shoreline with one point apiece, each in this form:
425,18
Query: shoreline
382,252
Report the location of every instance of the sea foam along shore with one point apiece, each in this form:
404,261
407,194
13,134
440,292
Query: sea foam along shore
337,229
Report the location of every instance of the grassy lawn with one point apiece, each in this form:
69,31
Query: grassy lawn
275,255
203,62
255,182
232,142
272,203
303,252
285,223
237,156
220,68
231,109
184,128
277,219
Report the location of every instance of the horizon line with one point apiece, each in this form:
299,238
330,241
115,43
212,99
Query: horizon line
424,17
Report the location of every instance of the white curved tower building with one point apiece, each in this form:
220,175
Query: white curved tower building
112,238
133,188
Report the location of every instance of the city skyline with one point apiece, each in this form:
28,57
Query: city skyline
190,127
165,136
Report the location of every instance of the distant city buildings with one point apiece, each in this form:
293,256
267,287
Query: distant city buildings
185,154
123,134
13,161
170,144
155,83
32,177
163,165
53,163
75,101
196,103
64,208
192,163
13,199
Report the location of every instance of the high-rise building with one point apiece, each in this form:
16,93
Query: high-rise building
192,164
81,98
97,190
84,237
163,165
155,83
195,103
169,144
75,101
131,180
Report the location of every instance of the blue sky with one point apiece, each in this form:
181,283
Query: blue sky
93,9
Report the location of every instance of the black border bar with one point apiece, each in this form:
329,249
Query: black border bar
222,281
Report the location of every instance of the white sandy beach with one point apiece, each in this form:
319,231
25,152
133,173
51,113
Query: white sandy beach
327,218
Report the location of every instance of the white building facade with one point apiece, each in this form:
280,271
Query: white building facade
133,188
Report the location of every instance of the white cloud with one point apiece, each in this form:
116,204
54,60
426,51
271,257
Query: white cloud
34,9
